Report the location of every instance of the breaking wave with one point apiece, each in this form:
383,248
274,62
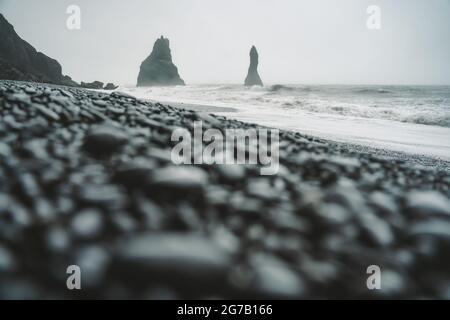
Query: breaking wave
427,105
373,91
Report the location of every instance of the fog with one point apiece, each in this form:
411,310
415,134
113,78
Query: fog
311,41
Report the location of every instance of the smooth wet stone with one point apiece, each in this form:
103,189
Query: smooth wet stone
384,202
135,175
47,112
163,155
394,284
287,221
116,110
152,214
180,177
273,279
7,262
109,196
256,232
11,123
87,224
437,228
100,103
124,222
387,209
93,262
261,188
66,93
248,207
225,239
104,140
13,212
425,203
30,90
217,195
36,148
231,172
64,205
18,97
43,209
320,271
19,113
58,239
333,215
29,185
346,194
188,216
37,127
5,150
375,230
186,256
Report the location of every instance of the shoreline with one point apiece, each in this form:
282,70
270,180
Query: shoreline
401,120
413,158
195,107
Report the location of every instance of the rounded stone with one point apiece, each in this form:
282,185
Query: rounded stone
104,140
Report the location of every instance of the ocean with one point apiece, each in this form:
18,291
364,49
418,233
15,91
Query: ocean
412,119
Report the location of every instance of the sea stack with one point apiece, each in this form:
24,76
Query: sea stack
20,61
253,78
158,69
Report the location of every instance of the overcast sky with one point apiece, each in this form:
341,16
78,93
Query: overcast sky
299,41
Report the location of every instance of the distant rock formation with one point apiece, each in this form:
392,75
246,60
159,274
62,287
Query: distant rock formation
92,85
67,81
98,85
158,69
110,86
253,78
20,61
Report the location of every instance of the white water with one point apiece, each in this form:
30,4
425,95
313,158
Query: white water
411,119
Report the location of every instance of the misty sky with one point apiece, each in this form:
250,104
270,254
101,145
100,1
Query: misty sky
299,41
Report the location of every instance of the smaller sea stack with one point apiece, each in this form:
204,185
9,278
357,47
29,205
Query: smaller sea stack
253,78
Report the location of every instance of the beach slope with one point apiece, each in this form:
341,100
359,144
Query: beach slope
86,179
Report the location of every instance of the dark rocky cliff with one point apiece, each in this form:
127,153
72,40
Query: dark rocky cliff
20,61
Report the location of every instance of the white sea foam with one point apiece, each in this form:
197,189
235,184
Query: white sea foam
411,104
408,118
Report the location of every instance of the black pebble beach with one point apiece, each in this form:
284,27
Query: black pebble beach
86,179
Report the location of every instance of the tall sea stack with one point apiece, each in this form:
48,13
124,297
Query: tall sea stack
158,69
20,61
253,78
